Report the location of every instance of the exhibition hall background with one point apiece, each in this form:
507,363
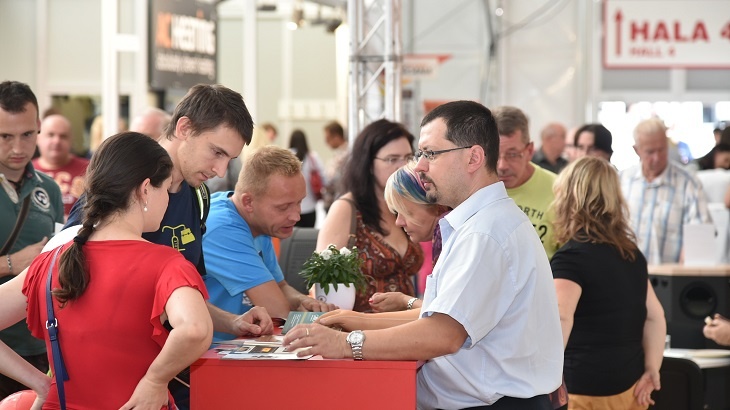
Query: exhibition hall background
553,59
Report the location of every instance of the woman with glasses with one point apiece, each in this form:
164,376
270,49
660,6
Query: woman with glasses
390,258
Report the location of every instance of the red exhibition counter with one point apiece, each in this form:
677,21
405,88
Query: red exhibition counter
304,384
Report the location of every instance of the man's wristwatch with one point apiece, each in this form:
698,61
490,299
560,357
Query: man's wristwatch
355,339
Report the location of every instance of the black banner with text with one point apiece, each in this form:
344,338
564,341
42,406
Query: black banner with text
182,43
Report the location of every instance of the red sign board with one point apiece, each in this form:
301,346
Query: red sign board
666,34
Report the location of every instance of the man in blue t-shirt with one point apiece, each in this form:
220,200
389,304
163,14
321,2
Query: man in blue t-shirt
241,262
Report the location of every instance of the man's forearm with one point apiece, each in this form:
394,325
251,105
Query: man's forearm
5,266
222,320
292,296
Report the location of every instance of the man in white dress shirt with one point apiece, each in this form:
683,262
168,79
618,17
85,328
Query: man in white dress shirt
488,328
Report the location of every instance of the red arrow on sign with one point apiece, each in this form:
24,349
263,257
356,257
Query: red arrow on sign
619,18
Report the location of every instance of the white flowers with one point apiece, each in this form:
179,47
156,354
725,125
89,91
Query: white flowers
334,266
326,254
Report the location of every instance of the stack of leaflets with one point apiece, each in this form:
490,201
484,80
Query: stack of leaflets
267,347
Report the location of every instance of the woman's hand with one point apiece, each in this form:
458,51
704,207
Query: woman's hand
344,319
648,382
391,302
41,393
718,330
148,395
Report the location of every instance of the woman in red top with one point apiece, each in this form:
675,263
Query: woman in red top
113,290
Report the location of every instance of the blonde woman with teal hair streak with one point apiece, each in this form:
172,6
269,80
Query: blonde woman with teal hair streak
406,198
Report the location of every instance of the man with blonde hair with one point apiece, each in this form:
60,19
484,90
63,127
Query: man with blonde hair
240,259
662,196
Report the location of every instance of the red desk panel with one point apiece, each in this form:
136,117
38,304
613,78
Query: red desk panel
303,384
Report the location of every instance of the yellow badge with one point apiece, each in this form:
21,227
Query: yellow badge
187,236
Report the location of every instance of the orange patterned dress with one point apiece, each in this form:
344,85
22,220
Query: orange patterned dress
386,269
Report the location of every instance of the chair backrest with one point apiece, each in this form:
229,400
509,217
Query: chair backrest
682,386
295,250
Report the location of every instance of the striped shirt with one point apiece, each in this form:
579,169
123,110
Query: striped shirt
659,209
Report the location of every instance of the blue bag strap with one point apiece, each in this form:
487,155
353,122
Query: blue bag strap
52,327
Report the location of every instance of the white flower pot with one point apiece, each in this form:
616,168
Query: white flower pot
343,297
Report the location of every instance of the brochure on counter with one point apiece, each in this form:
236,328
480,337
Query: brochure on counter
298,318
267,347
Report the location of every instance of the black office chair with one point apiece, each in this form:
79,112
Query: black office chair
682,386
294,251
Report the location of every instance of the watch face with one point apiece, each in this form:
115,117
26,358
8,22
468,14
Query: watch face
356,337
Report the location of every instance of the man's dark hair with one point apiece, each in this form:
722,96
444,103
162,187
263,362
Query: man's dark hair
725,136
335,128
469,123
602,138
15,95
210,106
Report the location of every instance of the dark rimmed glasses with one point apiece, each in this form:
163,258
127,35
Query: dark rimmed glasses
430,155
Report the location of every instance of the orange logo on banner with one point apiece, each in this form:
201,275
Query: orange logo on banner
162,36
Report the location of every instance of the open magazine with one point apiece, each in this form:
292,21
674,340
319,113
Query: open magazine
267,347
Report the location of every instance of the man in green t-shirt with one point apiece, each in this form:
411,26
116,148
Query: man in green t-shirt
529,185
19,125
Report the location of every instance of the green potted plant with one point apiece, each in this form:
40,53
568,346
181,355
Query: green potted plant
335,271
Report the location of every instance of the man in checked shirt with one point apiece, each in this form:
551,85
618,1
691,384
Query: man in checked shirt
662,196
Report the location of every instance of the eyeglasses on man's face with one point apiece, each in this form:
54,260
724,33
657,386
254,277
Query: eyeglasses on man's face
430,155
396,159
511,156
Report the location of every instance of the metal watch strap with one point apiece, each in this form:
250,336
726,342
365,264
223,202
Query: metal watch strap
356,352
355,339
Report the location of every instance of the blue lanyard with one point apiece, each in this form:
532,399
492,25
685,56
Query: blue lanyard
52,327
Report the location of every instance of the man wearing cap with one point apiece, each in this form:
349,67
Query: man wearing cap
593,140
528,184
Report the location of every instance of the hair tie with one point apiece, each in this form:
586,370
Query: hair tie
81,240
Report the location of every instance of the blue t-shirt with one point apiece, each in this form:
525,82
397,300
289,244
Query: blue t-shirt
179,229
235,260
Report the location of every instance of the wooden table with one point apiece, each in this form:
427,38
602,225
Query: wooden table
301,384
675,269
702,362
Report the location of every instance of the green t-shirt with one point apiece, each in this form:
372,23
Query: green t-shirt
46,208
534,198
